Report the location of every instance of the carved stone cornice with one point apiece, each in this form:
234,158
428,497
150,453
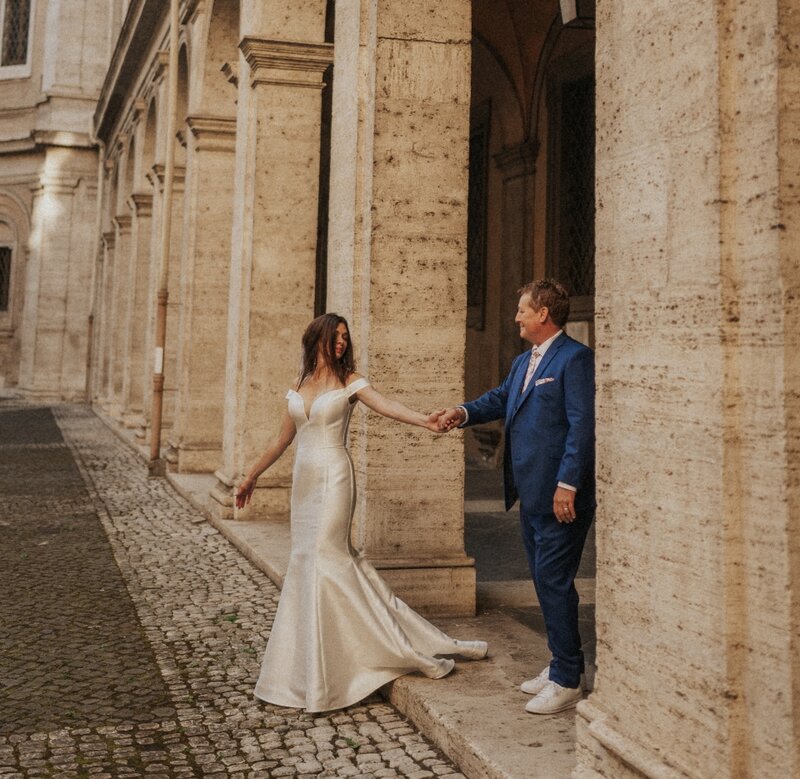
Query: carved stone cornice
109,239
55,184
161,65
141,203
231,72
287,63
121,142
122,222
156,174
212,133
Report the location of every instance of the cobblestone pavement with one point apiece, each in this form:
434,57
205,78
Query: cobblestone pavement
131,632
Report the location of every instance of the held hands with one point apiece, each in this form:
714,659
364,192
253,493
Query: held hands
444,419
432,421
449,418
245,492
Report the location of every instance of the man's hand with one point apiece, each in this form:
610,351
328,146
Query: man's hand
450,418
564,505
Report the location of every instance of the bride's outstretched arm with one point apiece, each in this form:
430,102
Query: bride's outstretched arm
277,448
394,409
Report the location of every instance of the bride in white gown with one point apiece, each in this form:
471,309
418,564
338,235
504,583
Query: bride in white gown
339,632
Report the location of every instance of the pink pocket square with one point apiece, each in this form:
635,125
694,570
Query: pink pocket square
543,381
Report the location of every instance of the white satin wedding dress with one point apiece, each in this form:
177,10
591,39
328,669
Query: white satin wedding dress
339,632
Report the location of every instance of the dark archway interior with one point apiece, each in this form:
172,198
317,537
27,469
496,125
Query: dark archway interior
531,213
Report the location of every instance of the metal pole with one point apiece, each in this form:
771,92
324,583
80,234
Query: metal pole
157,465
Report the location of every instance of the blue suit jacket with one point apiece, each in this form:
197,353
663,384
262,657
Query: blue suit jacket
549,428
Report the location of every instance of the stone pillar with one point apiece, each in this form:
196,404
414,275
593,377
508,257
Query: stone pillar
106,319
121,310
398,269
156,178
273,254
53,327
518,167
141,204
698,332
196,440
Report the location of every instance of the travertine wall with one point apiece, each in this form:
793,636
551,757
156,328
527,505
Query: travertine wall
397,270
273,251
210,132
698,395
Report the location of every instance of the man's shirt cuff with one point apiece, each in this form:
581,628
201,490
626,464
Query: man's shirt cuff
466,415
567,487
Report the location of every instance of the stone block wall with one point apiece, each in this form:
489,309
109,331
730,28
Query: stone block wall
697,588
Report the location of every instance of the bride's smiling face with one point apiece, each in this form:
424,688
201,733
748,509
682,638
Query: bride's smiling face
342,340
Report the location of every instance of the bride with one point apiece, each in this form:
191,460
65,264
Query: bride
339,632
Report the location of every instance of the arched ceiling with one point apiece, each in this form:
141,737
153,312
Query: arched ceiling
515,31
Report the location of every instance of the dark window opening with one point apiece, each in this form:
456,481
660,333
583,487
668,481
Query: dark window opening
571,246
5,276
321,290
16,21
477,210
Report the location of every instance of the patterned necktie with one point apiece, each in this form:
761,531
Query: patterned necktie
534,361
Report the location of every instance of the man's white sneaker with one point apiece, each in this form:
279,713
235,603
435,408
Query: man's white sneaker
554,698
536,685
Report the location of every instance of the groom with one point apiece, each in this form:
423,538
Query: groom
547,401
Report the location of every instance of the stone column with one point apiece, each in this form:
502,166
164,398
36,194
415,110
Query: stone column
196,440
156,178
141,204
398,269
121,310
105,326
273,254
698,332
53,327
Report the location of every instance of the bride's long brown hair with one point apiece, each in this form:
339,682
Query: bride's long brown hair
322,331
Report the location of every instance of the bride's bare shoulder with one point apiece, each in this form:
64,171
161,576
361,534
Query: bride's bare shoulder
353,377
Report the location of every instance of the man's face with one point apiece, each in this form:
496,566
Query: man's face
530,321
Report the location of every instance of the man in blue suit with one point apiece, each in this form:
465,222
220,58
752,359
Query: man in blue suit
547,402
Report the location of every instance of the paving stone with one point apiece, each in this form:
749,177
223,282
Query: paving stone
123,659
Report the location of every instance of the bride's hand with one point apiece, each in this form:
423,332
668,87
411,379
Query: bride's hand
432,421
245,492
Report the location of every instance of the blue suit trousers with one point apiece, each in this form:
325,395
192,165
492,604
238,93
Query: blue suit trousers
554,554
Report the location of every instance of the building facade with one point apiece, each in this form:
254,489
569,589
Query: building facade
410,166
53,58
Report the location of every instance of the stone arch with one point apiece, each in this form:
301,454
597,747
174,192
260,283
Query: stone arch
15,223
149,142
182,107
112,187
489,63
212,91
129,179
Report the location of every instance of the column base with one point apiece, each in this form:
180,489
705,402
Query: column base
269,501
188,457
435,588
133,420
603,751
